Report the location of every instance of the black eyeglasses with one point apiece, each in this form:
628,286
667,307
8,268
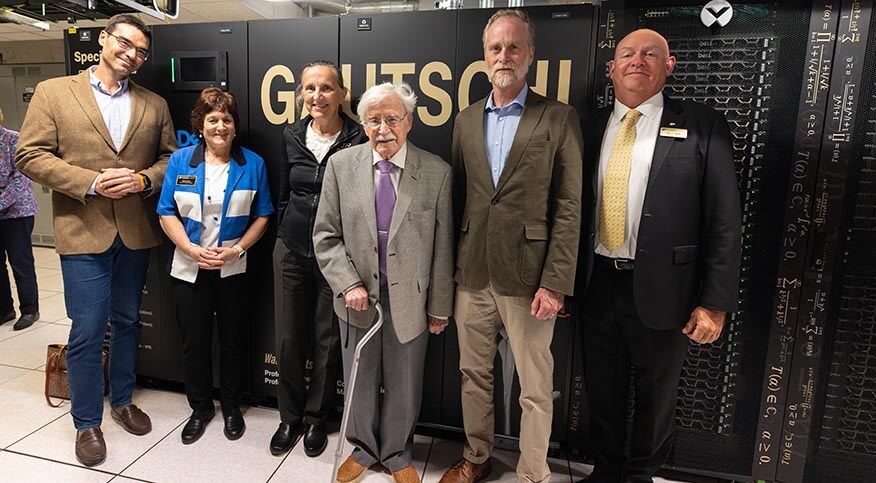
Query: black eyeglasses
126,44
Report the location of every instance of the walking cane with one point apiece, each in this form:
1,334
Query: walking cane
349,392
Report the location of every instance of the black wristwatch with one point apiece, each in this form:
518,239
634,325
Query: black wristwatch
147,188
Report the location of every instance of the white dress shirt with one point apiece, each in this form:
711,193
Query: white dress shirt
647,128
398,159
215,182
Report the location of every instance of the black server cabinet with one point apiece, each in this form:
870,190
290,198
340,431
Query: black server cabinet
278,50
561,70
160,340
377,55
750,70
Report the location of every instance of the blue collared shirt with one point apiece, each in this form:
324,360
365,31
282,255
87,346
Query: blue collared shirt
500,125
115,107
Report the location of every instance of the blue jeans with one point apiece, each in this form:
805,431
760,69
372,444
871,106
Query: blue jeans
101,288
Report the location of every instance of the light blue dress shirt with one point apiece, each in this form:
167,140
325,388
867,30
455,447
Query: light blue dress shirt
115,107
500,125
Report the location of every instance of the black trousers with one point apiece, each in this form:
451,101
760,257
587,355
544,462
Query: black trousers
308,332
196,305
15,244
614,340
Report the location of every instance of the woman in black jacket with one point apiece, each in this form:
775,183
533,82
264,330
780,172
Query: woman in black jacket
304,300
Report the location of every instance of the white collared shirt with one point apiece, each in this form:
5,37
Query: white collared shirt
398,159
647,127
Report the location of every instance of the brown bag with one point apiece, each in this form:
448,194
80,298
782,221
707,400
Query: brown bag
56,374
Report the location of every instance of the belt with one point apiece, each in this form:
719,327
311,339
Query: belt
619,264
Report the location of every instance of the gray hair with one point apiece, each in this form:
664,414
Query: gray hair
381,92
512,13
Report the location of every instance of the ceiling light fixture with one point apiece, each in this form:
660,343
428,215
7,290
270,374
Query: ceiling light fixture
7,14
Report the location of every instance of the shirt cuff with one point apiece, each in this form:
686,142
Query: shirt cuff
91,190
437,317
351,287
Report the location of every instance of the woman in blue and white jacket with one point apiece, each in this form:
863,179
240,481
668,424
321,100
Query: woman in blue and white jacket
214,205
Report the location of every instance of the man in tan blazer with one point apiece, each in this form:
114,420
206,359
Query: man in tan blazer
101,143
384,231
517,181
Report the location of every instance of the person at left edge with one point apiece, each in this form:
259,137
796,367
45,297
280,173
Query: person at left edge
101,143
214,207
17,210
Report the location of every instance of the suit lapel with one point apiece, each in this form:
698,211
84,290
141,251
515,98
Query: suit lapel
475,125
362,183
138,109
407,189
673,116
532,112
82,92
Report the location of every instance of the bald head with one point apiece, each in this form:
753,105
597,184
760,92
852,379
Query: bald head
640,66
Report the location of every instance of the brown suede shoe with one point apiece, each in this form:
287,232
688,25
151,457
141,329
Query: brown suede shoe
90,446
132,419
406,475
350,471
464,471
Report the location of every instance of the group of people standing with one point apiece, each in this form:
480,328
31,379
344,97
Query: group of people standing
637,219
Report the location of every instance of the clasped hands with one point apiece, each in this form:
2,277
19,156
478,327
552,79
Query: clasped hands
116,183
211,258
357,299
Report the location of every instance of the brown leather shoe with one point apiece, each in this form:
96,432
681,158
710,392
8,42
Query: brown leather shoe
132,419
90,446
406,475
350,471
464,471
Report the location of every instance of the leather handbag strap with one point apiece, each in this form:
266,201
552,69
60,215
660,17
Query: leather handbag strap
53,364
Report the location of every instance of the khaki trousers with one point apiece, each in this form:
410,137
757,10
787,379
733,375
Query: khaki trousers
480,314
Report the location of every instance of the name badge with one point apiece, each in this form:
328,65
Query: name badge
673,132
186,180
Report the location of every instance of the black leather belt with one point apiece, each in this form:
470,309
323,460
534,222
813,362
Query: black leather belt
619,264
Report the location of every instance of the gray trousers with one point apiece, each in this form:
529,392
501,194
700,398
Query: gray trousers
381,426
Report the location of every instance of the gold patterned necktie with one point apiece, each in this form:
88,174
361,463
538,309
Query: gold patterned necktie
613,209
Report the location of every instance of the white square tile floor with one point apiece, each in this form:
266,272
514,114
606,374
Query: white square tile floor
36,443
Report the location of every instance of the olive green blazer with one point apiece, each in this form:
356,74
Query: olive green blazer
523,233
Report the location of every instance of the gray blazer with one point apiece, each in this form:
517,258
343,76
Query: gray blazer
420,247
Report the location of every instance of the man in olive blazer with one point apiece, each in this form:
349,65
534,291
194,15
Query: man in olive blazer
405,262
101,143
517,198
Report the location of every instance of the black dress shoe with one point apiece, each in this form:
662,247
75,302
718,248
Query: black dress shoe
7,317
285,438
234,425
194,428
314,439
26,320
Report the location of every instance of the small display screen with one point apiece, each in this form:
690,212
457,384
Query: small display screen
197,69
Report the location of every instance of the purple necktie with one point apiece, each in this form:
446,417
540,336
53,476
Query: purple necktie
384,203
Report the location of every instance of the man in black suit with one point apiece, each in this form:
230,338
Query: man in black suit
659,266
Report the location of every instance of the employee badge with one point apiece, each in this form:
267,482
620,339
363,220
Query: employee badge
186,180
673,132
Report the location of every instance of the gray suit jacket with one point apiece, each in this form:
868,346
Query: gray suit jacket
420,247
